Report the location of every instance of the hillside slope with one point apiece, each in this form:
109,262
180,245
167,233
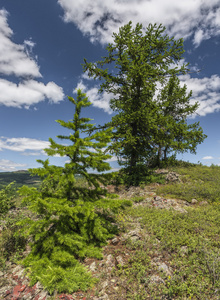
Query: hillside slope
167,248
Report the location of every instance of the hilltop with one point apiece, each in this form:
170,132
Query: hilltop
167,247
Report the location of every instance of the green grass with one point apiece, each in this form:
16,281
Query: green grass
199,182
189,243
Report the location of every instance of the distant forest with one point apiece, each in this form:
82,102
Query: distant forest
19,178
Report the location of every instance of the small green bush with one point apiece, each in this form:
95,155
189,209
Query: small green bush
138,199
142,175
7,199
12,243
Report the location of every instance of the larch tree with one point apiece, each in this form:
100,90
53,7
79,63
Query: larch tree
138,60
174,134
72,220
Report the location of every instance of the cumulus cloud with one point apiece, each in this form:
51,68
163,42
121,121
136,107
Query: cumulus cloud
112,159
14,59
101,101
206,91
34,153
208,157
199,19
28,92
22,144
17,60
9,166
209,27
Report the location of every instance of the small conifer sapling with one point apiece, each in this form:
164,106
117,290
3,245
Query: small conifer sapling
73,221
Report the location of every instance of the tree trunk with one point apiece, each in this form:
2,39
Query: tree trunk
134,154
165,153
159,153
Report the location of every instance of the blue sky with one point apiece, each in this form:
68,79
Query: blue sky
43,44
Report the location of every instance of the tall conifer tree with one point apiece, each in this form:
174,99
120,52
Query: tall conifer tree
137,60
174,135
72,221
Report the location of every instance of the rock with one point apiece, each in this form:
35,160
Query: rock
156,279
115,241
103,297
16,269
152,194
43,295
8,264
135,232
161,171
92,267
120,260
3,290
183,250
194,201
20,273
148,200
156,261
203,203
163,267
172,176
105,284
39,286
179,209
157,242
157,198
135,238
134,235
110,262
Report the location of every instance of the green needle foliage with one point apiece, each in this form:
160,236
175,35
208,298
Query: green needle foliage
174,135
141,58
7,199
72,222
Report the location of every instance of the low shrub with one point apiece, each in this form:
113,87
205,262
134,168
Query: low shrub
190,242
7,199
12,243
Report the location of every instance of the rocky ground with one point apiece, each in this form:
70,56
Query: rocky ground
14,285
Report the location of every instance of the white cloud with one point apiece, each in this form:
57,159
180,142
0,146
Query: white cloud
33,153
80,86
86,76
99,19
98,100
208,157
22,144
9,166
28,92
16,60
113,158
29,43
209,27
206,91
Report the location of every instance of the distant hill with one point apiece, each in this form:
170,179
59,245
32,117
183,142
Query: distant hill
21,177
